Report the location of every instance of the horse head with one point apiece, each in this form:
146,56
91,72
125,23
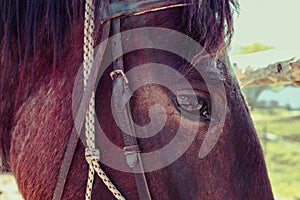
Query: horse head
192,126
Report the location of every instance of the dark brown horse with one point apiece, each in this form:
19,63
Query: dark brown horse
41,53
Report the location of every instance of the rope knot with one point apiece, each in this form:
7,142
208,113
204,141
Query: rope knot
92,155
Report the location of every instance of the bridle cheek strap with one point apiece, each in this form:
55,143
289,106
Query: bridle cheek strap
122,113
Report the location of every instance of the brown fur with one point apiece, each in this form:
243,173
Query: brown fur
36,119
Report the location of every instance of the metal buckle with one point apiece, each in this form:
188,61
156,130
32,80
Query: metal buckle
131,149
114,75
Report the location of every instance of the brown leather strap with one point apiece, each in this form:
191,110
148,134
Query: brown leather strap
131,148
79,120
122,113
127,8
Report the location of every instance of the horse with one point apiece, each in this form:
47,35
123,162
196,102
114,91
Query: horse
41,55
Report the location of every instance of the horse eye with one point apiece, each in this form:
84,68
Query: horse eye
193,105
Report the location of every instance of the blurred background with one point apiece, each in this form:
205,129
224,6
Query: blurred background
265,54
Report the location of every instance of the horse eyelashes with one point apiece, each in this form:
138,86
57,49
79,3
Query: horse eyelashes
193,105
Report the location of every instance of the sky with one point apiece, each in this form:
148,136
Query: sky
274,23
285,97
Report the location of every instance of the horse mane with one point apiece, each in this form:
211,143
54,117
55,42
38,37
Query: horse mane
212,21
28,25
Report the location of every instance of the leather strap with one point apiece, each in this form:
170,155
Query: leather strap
127,8
123,114
79,120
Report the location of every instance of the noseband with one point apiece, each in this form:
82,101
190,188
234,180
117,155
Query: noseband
110,18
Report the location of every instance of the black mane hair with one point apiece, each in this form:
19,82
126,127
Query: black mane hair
25,24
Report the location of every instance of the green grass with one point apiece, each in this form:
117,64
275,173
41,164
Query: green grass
283,154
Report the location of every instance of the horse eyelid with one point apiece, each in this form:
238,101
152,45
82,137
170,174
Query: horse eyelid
202,98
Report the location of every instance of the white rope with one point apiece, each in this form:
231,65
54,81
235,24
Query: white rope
92,155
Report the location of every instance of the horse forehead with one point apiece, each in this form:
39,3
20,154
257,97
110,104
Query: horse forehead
209,67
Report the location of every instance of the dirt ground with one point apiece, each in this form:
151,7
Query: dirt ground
8,188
